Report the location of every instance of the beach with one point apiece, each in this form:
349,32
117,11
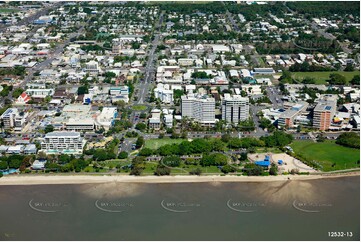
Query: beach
87,179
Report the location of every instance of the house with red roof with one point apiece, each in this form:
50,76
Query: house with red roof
23,99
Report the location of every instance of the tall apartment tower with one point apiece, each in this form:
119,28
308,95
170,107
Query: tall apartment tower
200,108
235,108
324,112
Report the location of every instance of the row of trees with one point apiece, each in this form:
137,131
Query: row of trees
350,139
325,9
307,67
16,71
205,146
110,152
15,162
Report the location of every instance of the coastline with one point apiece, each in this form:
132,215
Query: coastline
89,179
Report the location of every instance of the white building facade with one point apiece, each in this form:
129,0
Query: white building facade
63,143
201,109
235,108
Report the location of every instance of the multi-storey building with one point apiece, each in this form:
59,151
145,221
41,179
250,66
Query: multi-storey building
235,108
324,112
287,118
200,108
63,143
12,119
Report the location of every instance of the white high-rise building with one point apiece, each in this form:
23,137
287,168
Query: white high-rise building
63,142
201,109
235,108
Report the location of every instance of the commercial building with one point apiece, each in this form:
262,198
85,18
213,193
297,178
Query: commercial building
263,71
76,117
119,94
107,117
40,93
80,124
164,93
199,108
288,117
235,108
168,120
154,121
324,112
63,143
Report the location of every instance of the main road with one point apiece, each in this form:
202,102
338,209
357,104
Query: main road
144,86
150,67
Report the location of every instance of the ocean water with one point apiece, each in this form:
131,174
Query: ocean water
289,210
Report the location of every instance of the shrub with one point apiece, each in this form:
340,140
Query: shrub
162,171
196,171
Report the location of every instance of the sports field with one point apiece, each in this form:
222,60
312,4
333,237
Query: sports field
322,76
328,154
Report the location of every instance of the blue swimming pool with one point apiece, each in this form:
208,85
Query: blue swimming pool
10,171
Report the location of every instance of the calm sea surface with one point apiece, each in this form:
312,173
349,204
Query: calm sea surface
293,210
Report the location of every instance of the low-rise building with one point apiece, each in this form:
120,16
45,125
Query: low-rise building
107,117
40,93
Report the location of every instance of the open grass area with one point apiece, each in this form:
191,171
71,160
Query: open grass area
139,107
156,143
328,154
150,167
322,76
273,150
8,10
114,163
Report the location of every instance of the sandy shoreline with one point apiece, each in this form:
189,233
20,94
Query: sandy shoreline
88,179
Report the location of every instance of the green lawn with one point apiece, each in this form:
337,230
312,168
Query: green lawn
149,168
139,107
8,10
269,150
114,162
182,170
321,76
156,143
328,154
